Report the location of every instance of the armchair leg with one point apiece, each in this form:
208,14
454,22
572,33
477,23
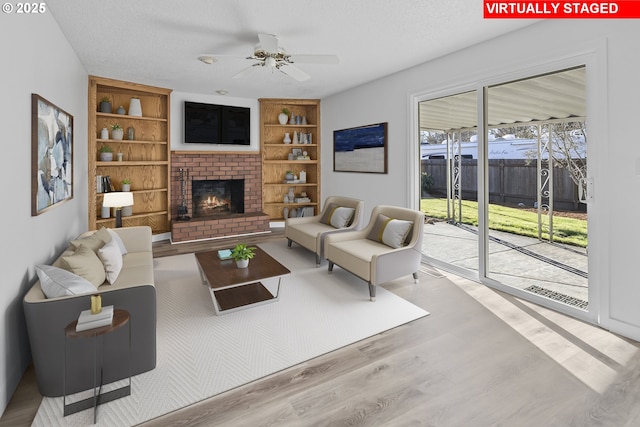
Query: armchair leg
289,241
317,260
372,292
415,277
330,267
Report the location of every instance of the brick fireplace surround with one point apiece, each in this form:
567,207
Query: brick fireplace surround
212,165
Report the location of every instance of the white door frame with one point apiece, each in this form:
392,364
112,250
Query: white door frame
593,56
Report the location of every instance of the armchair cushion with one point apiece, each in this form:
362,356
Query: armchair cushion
337,216
391,232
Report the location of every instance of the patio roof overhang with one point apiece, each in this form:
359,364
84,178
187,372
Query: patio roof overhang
556,96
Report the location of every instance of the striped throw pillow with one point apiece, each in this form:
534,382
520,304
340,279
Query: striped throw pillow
392,232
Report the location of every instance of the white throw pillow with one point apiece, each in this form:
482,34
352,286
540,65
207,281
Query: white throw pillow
57,282
115,236
111,259
337,216
391,232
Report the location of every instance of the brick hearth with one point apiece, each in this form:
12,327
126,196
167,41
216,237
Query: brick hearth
217,166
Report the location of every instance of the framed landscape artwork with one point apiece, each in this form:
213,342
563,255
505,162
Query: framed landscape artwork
51,155
361,149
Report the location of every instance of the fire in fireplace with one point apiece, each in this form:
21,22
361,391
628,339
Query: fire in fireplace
217,197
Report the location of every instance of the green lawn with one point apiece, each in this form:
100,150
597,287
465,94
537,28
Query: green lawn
571,231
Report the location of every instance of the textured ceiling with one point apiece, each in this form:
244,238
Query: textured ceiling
157,42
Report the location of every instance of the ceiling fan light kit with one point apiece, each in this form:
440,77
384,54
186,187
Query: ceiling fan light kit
269,54
206,59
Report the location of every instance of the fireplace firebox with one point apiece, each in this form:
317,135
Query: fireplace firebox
217,197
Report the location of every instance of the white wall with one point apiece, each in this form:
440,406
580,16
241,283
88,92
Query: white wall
177,121
39,60
36,59
612,114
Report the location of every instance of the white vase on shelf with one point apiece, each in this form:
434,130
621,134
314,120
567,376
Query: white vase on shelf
117,134
135,109
283,118
295,137
104,133
287,137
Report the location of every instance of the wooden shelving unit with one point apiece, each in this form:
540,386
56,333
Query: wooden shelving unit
275,152
145,159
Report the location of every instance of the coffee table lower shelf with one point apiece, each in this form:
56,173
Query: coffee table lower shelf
233,288
243,296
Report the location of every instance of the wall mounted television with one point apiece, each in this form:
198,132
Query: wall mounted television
216,124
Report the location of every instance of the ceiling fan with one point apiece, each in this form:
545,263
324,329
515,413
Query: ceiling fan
269,54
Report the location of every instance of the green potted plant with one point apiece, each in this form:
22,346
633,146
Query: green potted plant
105,105
242,253
126,184
283,117
116,131
106,153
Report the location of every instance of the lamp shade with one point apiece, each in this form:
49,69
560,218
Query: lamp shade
118,199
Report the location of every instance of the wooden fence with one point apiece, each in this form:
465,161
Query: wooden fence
510,182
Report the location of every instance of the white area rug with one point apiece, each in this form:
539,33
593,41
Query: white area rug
201,355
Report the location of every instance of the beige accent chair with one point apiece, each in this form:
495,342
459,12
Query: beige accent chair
310,233
372,260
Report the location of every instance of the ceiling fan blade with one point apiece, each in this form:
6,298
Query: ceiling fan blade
314,59
295,72
268,42
246,71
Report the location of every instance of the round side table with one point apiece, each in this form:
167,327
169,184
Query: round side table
120,319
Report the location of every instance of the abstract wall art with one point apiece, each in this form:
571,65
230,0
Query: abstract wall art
51,155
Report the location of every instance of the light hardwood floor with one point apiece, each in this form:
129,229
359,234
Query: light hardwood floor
482,358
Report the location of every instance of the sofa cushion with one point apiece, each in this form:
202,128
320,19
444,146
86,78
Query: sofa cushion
137,270
85,263
337,216
57,282
392,232
94,241
111,258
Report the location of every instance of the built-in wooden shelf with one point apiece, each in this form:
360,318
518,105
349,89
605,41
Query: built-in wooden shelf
275,154
146,157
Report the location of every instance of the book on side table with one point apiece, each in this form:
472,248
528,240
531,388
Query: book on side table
90,321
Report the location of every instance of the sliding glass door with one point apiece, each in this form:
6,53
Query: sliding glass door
449,184
536,170
510,209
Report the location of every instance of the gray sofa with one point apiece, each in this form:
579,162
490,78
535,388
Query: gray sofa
133,290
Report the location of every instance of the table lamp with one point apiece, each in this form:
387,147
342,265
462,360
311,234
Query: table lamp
117,200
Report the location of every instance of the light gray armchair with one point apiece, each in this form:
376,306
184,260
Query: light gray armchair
369,253
311,231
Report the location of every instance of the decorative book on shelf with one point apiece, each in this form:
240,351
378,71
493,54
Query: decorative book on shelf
104,184
224,254
90,321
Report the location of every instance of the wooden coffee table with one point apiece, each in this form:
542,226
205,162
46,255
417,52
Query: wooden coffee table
234,288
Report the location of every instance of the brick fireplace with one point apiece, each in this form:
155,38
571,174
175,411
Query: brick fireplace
216,177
